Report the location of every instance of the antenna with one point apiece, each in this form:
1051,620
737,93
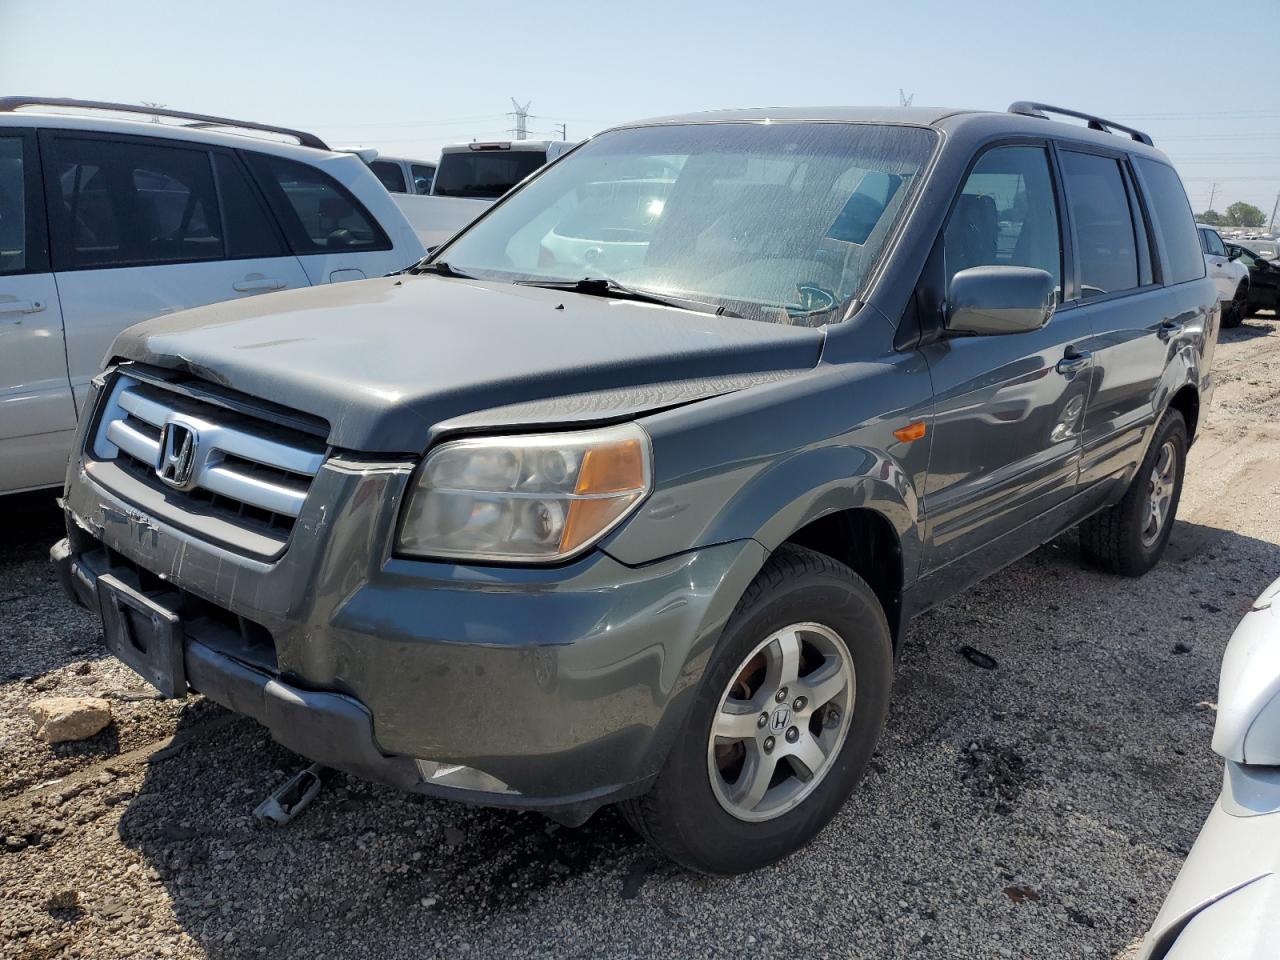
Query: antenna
521,113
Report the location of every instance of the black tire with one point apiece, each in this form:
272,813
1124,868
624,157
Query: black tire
680,815
1118,539
1233,313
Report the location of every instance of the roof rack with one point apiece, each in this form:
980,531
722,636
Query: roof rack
1029,108
13,104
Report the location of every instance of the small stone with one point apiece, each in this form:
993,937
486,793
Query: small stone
63,719
62,900
429,902
81,668
453,837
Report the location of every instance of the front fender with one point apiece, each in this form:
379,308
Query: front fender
763,463
810,484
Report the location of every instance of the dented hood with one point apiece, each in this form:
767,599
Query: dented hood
385,361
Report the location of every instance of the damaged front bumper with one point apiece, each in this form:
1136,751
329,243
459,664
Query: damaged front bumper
552,689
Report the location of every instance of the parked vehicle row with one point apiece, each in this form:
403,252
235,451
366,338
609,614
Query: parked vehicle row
550,524
106,221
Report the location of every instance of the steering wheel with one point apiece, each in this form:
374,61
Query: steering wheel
815,298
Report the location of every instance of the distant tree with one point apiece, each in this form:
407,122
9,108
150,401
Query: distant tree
1212,217
1241,214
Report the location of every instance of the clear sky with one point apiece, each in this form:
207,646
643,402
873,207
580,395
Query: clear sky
405,77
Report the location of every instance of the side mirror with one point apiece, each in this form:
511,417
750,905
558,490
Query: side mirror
994,300
1231,257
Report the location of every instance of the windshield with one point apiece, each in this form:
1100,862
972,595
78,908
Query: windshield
484,174
775,221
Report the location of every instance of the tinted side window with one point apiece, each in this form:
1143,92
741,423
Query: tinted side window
1214,241
1175,226
13,207
250,232
1006,215
1103,222
117,203
390,174
422,177
319,215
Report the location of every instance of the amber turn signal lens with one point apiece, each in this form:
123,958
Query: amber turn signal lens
612,478
912,431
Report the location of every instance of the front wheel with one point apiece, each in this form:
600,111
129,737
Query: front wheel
1129,538
787,716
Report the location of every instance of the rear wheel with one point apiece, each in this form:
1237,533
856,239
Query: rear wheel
1130,537
786,718
1233,313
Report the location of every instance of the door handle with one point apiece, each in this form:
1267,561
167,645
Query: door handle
1073,361
21,306
1169,328
253,284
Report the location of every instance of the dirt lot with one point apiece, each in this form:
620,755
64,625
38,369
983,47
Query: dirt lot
1038,809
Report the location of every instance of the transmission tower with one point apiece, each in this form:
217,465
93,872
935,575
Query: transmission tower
521,113
903,99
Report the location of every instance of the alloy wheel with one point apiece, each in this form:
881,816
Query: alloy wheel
781,722
1164,476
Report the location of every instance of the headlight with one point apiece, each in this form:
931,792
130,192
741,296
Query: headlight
538,498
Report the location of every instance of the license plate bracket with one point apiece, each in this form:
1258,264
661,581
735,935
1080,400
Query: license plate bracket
144,634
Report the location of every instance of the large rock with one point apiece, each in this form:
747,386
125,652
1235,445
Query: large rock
60,719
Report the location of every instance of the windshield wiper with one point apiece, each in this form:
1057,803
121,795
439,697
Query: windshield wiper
438,267
604,287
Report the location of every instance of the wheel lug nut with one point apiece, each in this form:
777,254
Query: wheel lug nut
768,744
793,735
832,718
781,695
762,720
799,703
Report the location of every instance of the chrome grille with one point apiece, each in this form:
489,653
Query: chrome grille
243,470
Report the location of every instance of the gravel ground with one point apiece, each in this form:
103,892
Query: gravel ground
1037,809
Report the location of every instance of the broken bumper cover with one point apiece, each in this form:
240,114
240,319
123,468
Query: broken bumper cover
564,685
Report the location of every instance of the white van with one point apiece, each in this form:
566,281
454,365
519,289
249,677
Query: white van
108,217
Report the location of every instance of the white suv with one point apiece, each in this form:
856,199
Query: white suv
1229,275
106,221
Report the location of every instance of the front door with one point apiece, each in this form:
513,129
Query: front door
1006,436
37,416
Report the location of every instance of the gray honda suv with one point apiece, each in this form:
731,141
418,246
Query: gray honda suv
628,492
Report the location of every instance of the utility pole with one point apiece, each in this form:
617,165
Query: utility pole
521,114
1212,191
155,118
1274,207
564,134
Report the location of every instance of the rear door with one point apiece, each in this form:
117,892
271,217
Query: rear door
142,227
1006,437
37,416
1136,320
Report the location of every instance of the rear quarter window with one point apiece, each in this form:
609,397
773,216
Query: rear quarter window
318,214
1174,223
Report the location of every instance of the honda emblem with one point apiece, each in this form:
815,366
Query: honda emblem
178,443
